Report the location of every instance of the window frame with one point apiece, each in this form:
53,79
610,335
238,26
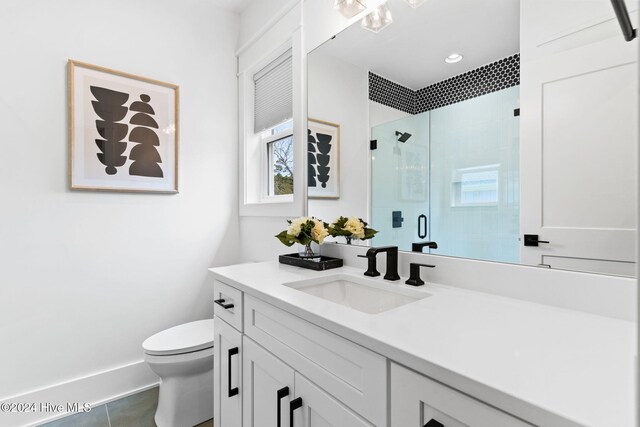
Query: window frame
286,34
268,137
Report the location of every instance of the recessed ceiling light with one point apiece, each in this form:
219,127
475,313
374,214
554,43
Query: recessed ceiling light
453,58
350,8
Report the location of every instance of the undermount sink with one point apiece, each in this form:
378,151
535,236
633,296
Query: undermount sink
359,293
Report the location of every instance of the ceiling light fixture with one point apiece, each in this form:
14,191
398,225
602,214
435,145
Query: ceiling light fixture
350,8
377,20
415,3
453,58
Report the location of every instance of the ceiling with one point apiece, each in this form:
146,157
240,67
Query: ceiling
412,49
237,6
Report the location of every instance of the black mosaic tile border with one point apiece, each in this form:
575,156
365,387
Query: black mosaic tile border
391,94
493,77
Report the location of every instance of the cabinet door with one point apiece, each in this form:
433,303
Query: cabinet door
227,373
418,401
319,409
268,386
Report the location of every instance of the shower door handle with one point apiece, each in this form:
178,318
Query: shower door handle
232,391
422,221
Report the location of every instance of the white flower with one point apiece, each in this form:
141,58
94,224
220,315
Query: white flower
355,227
296,226
319,232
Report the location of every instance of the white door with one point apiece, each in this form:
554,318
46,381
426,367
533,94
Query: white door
267,387
227,373
313,407
579,136
418,401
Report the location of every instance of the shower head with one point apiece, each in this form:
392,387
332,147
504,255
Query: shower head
403,136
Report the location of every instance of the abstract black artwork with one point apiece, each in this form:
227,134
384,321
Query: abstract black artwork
123,131
323,153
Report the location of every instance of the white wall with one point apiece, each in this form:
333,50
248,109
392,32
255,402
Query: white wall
338,93
257,17
85,277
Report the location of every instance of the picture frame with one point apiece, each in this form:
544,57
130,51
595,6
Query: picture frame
123,131
323,159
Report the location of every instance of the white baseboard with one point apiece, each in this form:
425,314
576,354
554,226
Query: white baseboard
95,389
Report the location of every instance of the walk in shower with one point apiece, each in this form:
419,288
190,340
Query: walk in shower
454,180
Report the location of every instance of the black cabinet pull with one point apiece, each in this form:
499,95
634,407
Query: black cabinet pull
282,393
433,423
232,391
221,303
293,405
422,231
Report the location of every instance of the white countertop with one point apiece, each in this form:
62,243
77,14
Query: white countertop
555,366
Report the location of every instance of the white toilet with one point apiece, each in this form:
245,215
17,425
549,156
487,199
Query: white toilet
182,357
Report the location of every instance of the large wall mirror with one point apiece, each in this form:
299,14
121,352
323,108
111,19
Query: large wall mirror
498,130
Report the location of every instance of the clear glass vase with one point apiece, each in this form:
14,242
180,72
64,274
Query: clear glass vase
308,252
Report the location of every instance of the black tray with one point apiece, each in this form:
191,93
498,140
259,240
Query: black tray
320,263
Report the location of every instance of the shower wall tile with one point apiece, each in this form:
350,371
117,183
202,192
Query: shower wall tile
493,77
391,94
489,78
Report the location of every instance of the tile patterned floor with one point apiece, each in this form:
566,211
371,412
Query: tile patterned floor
133,411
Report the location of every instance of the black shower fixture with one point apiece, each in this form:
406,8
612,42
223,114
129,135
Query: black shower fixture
403,136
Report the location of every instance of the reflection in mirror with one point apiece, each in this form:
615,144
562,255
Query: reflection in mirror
433,146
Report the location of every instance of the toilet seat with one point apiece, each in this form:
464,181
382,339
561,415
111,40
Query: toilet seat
185,338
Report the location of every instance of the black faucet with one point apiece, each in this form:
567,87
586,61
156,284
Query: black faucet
417,247
392,262
414,274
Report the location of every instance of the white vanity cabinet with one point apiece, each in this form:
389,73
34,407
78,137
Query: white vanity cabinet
282,371
227,365
274,365
417,400
273,393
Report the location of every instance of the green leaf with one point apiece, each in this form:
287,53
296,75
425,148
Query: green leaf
286,239
369,233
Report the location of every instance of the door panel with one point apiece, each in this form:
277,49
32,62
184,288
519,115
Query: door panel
319,409
263,376
228,356
579,139
416,400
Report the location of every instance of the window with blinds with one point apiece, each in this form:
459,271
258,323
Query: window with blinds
273,93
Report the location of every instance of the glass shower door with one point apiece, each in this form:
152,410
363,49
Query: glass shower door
400,182
475,179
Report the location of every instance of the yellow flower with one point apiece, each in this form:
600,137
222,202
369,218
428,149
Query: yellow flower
319,232
296,226
355,227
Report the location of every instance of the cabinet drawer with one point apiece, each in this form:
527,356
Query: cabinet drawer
350,373
232,297
417,400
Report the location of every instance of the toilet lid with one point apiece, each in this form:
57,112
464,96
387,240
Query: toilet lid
180,339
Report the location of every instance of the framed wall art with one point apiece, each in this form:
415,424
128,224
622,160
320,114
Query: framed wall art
323,152
123,131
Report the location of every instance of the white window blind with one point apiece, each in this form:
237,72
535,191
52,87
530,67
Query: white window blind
274,93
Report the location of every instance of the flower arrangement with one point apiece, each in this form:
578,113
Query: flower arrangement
304,230
351,228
